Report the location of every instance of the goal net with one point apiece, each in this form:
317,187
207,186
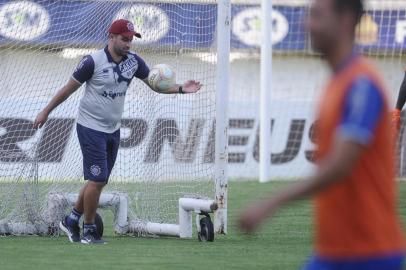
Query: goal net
167,145
298,76
167,141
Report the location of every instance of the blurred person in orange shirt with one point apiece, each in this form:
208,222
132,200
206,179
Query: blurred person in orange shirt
357,224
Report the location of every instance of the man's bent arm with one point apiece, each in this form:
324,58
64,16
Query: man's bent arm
67,90
333,168
190,86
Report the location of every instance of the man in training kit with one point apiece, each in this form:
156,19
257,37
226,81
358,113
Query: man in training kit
357,224
107,74
399,105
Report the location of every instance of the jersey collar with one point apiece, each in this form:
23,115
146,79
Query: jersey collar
110,58
346,62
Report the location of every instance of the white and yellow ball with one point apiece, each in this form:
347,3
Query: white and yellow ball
162,78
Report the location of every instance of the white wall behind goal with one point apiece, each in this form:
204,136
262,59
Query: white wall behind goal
296,84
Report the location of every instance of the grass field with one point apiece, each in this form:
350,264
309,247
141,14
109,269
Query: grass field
283,243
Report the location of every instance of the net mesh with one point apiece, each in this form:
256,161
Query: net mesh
167,144
166,148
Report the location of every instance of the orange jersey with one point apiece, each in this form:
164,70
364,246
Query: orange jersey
357,216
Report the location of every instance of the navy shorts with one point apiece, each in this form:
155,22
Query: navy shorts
394,262
99,152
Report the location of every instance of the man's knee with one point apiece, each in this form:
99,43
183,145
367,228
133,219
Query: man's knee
96,184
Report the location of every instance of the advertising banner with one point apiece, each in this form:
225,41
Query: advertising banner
174,25
158,144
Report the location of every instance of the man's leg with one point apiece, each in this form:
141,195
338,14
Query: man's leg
94,189
79,202
93,145
91,196
78,209
70,224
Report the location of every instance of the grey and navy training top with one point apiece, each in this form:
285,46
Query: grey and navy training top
107,82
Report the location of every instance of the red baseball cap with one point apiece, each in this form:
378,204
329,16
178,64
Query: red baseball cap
124,28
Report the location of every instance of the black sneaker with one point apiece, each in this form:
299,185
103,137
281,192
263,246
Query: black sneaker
73,232
91,237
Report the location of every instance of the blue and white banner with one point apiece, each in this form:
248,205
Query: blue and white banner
85,23
288,27
187,25
383,30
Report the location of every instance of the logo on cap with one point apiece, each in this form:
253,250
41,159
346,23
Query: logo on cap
130,27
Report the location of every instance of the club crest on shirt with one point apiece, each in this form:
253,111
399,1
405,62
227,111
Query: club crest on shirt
128,67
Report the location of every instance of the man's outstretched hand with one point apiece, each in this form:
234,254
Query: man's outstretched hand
40,120
191,86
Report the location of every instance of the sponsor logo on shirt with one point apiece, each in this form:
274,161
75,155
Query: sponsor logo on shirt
113,95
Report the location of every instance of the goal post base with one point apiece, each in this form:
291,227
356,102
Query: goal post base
187,206
57,203
23,228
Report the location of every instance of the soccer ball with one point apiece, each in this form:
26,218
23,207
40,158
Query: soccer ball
161,78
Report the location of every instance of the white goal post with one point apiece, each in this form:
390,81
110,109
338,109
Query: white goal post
221,159
266,91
